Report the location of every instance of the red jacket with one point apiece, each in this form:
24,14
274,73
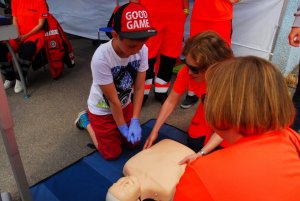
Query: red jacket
57,47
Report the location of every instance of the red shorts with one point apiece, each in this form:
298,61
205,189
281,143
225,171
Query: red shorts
109,138
223,28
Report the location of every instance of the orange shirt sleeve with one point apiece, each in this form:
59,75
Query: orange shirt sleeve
295,138
190,187
182,81
14,8
43,11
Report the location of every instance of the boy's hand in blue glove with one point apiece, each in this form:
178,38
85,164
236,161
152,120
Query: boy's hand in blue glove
135,130
124,131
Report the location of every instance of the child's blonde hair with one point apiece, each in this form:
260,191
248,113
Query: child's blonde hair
206,49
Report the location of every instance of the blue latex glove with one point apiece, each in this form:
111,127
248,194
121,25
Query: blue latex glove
124,131
135,130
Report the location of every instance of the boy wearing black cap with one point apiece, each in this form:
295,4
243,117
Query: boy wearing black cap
118,66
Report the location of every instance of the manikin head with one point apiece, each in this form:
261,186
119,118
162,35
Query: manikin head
125,189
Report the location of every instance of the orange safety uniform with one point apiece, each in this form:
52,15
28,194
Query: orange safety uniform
58,48
28,13
168,18
213,15
261,167
198,126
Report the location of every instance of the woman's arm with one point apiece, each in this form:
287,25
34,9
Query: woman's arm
294,36
164,113
15,22
212,143
234,1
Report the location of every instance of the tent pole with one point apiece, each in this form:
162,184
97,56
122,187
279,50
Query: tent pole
6,129
278,28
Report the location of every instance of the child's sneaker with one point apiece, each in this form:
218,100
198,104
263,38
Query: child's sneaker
8,84
18,86
82,120
189,101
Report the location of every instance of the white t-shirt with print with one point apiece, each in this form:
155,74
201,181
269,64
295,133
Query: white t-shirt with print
108,67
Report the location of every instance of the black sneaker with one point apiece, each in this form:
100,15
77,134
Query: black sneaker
161,97
189,101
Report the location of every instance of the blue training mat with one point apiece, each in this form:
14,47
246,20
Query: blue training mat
89,178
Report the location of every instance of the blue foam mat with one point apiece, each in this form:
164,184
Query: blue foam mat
89,178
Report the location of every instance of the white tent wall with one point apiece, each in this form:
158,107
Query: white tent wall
254,26
284,55
82,17
85,17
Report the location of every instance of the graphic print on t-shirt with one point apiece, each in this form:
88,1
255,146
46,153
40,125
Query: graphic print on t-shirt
124,78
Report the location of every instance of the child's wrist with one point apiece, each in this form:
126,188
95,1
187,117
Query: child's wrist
201,153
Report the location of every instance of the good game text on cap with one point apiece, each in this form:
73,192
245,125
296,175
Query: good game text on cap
137,19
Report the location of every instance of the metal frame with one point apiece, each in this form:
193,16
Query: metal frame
10,32
284,6
11,147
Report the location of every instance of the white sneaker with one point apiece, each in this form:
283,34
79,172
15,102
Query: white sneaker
18,86
8,84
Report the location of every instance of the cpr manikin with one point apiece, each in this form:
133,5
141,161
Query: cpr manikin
155,170
125,189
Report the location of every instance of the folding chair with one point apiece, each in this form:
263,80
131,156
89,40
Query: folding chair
10,32
107,30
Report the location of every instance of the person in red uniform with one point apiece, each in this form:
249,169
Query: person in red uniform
29,16
210,15
168,18
200,51
247,104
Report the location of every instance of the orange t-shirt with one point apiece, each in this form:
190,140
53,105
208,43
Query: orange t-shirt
263,167
198,126
212,10
163,7
184,82
28,13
